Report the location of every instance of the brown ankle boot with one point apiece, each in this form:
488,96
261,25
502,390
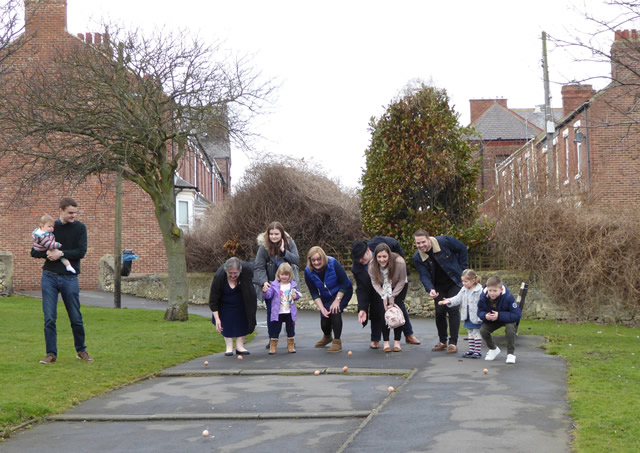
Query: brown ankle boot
291,346
323,341
273,344
336,346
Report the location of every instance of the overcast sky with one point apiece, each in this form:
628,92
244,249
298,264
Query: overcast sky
340,62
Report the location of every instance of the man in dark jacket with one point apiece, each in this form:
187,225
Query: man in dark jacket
440,261
369,302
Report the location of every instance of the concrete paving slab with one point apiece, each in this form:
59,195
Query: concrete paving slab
442,402
244,394
258,436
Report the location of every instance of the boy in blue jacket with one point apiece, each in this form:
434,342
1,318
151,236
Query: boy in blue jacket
497,308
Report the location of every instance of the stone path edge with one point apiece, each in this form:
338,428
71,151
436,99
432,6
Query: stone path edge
280,372
226,416
375,412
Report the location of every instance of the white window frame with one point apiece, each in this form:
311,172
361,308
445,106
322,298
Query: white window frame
565,137
576,129
183,199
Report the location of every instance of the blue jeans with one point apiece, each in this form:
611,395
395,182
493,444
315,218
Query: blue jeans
68,287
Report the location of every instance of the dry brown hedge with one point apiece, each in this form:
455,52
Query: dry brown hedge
313,209
587,259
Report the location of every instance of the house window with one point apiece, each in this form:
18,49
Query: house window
556,163
578,133
501,158
565,137
183,214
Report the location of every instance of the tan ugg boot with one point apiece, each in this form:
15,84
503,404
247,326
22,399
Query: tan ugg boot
323,341
336,346
291,346
273,344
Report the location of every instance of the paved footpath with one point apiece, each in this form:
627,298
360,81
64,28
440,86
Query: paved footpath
441,402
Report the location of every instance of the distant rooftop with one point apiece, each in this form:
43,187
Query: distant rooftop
501,123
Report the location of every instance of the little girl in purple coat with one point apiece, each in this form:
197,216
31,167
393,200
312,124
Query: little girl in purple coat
283,293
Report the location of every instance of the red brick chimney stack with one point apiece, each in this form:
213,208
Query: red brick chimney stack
624,61
45,16
574,95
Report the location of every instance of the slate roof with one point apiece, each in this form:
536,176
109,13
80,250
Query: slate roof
536,115
216,145
180,183
499,123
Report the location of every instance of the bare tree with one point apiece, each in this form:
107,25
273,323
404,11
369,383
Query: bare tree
594,43
132,108
10,27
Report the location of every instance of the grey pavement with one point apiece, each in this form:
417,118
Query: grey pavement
440,403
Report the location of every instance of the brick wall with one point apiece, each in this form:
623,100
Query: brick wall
140,231
45,37
604,169
491,152
615,148
479,106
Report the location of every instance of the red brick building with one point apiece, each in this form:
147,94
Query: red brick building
203,177
501,131
596,144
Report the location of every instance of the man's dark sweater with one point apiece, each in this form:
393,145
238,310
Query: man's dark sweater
73,237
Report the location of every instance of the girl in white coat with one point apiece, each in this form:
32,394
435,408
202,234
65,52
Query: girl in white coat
468,297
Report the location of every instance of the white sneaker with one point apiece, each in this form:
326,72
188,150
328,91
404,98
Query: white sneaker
492,354
511,358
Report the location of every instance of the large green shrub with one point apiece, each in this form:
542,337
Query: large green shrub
420,171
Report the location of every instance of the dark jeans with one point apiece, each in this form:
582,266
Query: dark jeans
377,322
332,323
442,311
289,325
488,327
68,287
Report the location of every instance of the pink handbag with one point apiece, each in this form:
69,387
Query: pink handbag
394,317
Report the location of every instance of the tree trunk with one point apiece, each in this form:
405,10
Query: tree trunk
178,289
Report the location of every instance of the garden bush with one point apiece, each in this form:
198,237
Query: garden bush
587,258
313,209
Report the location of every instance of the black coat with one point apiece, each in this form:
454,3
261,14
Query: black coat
368,299
246,288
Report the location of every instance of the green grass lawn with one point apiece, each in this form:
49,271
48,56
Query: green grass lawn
603,361
126,344
604,381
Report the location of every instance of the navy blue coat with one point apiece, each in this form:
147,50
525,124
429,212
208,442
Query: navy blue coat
506,306
452,258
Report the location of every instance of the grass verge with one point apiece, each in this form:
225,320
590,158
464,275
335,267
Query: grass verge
604,381
603,365
126,344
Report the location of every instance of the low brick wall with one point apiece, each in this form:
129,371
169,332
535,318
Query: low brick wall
6,273
153,286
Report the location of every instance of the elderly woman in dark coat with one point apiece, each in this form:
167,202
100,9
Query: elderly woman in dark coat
232,301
